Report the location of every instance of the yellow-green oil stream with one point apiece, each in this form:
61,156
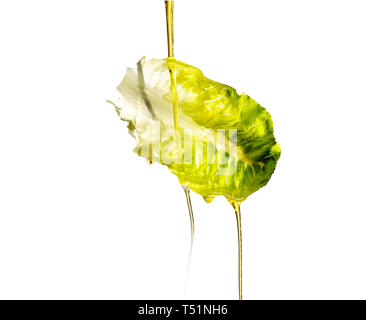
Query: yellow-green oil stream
169,7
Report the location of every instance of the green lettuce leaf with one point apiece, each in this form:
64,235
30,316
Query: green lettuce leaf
224,144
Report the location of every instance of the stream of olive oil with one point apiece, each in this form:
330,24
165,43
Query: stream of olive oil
189,204
236,206
169,7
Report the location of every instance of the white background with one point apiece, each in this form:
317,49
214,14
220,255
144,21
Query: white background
81,216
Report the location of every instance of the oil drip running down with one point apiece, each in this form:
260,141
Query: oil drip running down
169,7
236,206
189,204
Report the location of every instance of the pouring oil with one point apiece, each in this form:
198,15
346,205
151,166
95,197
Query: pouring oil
191,217
236,206
169,8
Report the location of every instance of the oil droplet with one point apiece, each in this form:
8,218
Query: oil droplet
208,199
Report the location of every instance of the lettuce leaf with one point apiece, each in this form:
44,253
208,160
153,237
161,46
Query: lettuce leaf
224,144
